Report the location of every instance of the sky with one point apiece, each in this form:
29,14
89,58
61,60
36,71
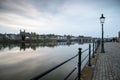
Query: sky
70,17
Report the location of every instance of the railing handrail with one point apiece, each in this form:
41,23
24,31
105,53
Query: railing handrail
84,58
85,50
70,73
50,70
57,66
75,67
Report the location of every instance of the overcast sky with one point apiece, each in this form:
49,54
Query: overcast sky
73,17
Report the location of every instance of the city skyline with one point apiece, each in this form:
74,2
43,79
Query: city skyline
71,17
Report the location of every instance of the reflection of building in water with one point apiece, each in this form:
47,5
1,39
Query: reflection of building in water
34,46
24,46
1,47
11,46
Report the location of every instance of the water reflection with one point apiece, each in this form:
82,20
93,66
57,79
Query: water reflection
34,46
26,60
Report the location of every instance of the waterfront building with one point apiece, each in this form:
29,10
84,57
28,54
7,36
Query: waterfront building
11,36
1,36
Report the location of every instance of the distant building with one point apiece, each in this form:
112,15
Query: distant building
26,36
61,38
22,35
41,37
1,36
11,36
7,36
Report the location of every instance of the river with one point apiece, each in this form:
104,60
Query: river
25,61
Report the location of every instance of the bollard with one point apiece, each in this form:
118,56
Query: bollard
89,62
93,50
79,63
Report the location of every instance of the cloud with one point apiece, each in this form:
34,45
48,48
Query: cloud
58,16
23,15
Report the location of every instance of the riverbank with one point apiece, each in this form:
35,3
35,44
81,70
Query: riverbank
87,72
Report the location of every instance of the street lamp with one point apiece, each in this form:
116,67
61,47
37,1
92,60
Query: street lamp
102,20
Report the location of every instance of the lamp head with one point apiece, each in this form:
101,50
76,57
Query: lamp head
102,18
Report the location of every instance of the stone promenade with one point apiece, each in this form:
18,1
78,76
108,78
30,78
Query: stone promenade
108,63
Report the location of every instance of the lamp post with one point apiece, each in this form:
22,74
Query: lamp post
102,20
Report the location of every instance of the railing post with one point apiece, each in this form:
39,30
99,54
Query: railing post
89,62
79,63
98,43
93,50
95,46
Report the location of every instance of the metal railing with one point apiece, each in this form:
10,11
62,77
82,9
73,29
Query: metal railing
95,46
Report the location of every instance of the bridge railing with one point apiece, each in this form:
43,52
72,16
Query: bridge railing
79,65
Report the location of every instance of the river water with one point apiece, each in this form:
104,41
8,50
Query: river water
25,61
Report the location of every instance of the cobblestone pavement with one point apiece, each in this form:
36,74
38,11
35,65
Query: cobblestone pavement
108,63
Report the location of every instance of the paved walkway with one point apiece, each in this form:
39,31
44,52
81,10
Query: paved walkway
108,63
